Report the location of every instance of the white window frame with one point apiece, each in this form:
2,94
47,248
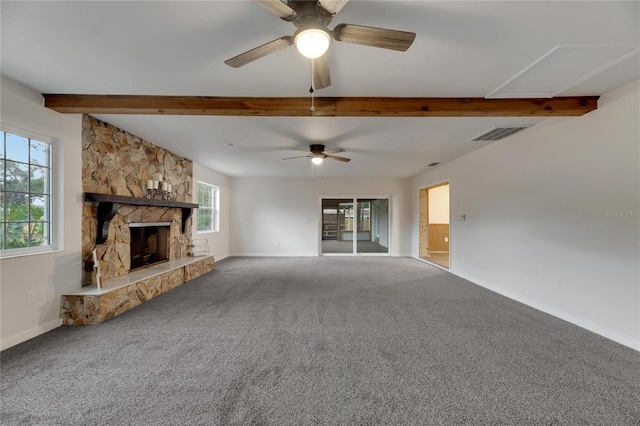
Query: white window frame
54,231
214,208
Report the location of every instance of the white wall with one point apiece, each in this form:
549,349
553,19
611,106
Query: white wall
218,241
51,274
281,217
541,216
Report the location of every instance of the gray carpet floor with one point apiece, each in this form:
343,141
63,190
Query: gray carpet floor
323,341
333,246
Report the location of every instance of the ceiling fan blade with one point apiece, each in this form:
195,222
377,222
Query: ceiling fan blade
332,6
334,151
259,52
373,36
299,156
278,8
321,73
335,157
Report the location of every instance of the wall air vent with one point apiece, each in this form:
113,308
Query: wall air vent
498,133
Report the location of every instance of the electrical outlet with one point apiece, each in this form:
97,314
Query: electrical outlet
558,283
446,239
31,297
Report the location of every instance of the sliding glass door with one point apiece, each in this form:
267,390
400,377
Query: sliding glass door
355,226
337,226
373,226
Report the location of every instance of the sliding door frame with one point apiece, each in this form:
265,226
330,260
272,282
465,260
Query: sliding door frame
355,199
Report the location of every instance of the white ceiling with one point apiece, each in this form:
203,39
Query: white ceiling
462,49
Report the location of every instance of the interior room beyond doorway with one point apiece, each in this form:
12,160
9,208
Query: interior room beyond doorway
434,224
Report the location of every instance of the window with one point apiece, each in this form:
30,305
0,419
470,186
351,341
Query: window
208,199
25,193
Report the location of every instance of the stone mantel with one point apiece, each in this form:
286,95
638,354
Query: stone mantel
108,205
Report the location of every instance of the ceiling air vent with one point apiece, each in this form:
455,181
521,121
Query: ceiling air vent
498,133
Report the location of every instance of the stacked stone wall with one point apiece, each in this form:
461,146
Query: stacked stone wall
119,163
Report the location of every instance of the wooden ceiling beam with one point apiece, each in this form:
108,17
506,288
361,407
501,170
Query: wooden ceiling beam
337,107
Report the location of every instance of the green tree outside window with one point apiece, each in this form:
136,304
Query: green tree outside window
207,215
25,192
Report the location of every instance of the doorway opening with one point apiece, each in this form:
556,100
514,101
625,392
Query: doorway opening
434,221
355,226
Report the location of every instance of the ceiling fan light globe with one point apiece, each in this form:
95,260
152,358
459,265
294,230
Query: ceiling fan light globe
317,160
312,42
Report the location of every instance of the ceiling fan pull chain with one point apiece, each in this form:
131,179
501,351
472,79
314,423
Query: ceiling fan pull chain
313,107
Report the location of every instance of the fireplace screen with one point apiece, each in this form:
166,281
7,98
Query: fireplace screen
149,243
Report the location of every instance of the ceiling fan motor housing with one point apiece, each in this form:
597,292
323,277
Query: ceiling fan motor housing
316,149
309,14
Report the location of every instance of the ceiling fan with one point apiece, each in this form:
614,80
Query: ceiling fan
318,154
313,38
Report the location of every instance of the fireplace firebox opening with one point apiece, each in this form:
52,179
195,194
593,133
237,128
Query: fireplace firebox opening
149,244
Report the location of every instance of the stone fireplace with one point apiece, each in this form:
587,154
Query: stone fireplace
141,244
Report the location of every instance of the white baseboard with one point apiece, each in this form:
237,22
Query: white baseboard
599,329
29,334
623,339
